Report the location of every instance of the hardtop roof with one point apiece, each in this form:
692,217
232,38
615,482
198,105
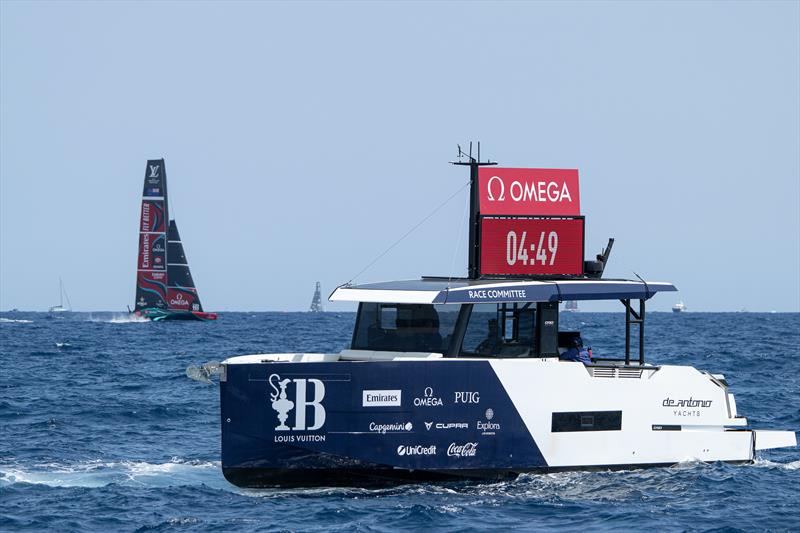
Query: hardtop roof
457,291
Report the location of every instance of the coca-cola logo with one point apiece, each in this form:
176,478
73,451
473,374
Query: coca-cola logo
468,449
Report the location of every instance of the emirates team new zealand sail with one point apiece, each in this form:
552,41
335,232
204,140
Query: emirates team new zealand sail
472,378
164,286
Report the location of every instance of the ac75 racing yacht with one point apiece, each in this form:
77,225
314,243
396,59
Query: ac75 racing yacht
465,379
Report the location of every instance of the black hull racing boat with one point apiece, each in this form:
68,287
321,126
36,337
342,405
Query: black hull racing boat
164,286
472,378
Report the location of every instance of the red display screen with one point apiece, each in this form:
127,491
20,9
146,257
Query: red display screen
529,191
531,246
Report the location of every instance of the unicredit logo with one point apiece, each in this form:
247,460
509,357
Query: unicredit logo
462,450
416,450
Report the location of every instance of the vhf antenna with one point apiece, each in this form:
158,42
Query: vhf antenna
473,253
472,160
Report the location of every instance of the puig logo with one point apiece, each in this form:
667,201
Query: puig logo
283,405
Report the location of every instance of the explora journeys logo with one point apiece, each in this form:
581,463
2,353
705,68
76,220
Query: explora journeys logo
416,450
283,405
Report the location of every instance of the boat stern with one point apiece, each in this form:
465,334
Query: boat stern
768,439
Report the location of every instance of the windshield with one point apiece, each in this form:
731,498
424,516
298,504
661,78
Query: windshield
404,327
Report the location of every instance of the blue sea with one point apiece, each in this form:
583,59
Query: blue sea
101,430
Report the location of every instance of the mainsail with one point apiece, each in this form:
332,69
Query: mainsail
151,268
181,292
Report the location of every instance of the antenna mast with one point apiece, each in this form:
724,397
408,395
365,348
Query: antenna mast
473,253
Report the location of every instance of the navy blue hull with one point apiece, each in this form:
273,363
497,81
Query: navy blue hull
351,477
357,423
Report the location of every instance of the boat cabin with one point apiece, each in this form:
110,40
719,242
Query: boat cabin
496,318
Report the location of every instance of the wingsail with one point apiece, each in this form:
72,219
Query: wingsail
151,268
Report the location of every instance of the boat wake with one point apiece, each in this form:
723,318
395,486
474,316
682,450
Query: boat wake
766,463
119,318
176,472
14,320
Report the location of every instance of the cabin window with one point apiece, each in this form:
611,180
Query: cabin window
404,327
500,330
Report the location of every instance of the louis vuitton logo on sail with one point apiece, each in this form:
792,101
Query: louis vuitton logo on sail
300,404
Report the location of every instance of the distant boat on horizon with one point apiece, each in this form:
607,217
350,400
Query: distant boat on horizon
571,306
679,307
316,301
164,286
62,294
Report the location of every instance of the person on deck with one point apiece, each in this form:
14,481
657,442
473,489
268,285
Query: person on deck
577,353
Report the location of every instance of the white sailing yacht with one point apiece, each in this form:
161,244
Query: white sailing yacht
62,296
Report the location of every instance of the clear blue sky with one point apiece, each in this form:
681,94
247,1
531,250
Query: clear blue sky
302,139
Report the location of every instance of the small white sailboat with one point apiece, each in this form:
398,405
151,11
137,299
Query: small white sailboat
679,307
62,296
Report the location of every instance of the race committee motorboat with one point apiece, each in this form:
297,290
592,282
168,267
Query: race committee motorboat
468,379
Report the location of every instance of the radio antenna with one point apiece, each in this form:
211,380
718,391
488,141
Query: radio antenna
473,253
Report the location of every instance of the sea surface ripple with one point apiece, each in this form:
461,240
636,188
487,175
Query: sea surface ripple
100,429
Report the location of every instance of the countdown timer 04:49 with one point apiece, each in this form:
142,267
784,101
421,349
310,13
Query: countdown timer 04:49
531,246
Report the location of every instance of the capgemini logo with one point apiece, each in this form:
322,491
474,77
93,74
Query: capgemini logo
283,405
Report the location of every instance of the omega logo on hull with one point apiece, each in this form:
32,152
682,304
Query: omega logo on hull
428,399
